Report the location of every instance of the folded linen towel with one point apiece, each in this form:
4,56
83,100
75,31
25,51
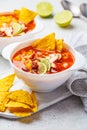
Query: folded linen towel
77,84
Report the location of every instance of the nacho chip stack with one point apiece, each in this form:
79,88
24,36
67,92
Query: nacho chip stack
19,102
49,43
22,103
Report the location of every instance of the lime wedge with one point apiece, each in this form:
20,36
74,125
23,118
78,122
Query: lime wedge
44,9
17,28
63,18
42,68
46,62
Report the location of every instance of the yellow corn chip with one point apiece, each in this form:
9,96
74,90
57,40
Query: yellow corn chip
35,106
5,19
59,44
21,109
26,15
14,104
19,102
17,58
16,13
21,96
20,112
7,82
3,100
46,43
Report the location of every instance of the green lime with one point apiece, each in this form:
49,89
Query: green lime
44,9
17,28
42,68
63,18
46,62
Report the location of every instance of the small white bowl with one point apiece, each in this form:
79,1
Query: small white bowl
4,41
46,82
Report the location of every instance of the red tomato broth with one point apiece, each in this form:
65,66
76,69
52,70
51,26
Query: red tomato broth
28,27
32,55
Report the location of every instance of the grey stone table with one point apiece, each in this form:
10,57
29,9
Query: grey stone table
68,114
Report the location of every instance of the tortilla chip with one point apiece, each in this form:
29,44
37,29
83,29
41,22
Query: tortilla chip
19,102
16,13
14,104
5,19
46,43
19,109
59,44
3,100
6,82
21,96
22,109
20,112
26,15
35,104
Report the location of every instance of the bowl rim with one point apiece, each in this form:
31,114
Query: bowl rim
38,27
71,49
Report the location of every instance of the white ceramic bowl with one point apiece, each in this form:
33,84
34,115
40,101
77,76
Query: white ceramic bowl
29,35
47,82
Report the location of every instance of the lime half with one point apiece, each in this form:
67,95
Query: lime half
44,9
46,62
63,18
42,68
17,28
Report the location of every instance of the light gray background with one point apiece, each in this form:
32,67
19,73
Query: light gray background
68,114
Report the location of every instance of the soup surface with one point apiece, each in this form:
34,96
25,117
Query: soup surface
39,61
17,23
